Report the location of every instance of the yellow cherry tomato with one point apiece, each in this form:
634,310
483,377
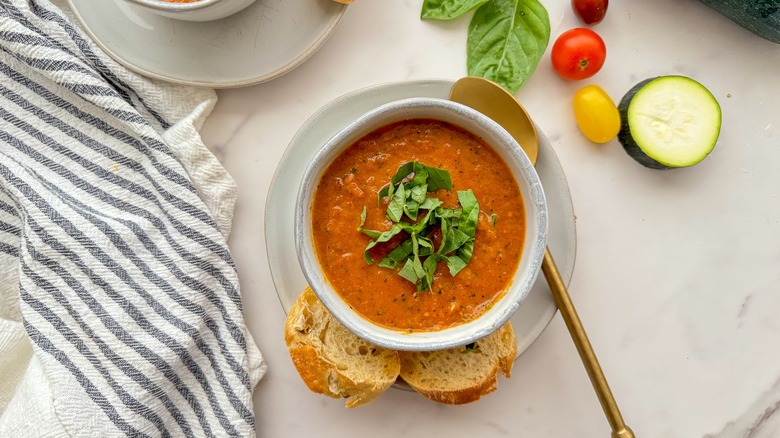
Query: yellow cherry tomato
596,114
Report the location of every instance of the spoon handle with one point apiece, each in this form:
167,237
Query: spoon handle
573,323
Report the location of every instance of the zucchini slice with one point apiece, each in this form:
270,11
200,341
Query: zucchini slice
668,122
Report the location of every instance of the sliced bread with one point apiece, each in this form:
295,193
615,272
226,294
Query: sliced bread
461,375
333,361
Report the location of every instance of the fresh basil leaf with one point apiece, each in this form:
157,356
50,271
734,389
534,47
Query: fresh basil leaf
424,242
467,222
370,233
455,239
419,193
438,179
411,208
430,204
443,212
415,268
506,39
444,226
430,268
434,177
408,272
466,251
395,209
384,237
400,174
455,264
447,234
422,224
447,9
418,267
462,257
420,176
397,255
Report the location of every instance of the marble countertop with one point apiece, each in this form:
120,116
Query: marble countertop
677,272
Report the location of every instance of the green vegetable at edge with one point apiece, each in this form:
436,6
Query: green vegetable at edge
761,17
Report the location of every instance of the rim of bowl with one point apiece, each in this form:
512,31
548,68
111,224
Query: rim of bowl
502,310
175,7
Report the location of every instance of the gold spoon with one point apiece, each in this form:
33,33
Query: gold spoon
495,102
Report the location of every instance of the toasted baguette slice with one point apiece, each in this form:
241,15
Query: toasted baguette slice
457,377
333,361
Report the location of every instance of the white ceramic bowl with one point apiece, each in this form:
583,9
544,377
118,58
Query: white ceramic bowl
202,10
535,237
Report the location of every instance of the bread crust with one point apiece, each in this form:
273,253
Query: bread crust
328,369
500,349
334,362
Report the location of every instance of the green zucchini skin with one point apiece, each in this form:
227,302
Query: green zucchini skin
624,135
761,17
669,122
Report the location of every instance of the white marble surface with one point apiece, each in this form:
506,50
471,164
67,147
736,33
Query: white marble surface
677,278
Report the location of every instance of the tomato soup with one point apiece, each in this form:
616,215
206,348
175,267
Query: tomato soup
352,182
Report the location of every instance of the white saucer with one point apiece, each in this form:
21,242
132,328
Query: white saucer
539,307
263,41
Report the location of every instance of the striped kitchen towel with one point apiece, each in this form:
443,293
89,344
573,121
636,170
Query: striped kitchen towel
120,312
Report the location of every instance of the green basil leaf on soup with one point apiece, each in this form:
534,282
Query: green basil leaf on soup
395,209
384,237
430,204
397,255
455,264
447,213
466,251
370,233
467,222
419,193
411,208
408,271
438,179
455,239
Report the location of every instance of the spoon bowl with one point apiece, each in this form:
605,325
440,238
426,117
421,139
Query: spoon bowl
495,102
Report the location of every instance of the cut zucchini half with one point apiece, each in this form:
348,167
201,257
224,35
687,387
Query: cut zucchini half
668,122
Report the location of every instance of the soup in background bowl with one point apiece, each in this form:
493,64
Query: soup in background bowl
193,10
492,207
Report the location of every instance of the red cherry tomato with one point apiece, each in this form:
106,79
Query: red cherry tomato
578,54
590,11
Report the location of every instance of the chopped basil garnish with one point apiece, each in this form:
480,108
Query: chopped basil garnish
408,192
434,177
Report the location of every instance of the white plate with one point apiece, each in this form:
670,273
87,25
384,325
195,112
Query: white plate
263,41
538,308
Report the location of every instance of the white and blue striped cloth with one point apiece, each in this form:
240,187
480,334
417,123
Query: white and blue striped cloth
120,312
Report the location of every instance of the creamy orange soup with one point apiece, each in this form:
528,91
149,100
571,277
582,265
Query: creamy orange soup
352,182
